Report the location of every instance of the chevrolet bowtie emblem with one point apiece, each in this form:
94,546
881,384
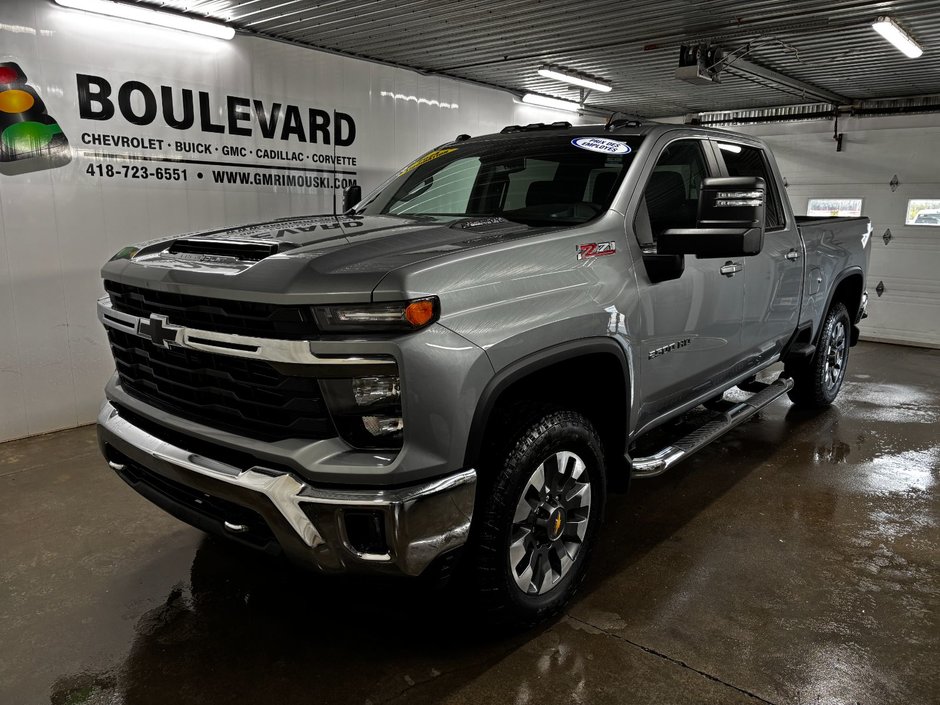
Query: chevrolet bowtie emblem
159,330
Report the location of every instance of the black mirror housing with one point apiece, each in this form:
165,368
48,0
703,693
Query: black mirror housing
351,196
732,202
731,221
711,242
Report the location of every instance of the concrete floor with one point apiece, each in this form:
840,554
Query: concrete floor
796,561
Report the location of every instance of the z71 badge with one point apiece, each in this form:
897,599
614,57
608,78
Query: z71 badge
596,249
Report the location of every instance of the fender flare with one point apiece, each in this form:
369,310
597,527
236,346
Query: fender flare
530,364
842,276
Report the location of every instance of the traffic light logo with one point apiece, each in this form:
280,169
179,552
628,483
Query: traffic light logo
30,140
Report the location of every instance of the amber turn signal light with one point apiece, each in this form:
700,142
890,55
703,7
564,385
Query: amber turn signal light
420,313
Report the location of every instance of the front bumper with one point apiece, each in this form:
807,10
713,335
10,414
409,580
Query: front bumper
278,512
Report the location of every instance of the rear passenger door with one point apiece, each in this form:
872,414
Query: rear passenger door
773,279
689,327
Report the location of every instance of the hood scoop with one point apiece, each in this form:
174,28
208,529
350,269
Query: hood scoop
204,250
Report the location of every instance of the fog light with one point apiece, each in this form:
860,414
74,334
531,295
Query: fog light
367,411
383,425
369,390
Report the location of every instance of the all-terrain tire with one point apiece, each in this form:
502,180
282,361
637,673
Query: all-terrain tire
567,449
817,384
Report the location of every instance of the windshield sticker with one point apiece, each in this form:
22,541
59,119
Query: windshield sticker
602,145
426,158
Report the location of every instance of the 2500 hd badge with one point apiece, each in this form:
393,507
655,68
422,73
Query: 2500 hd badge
669,348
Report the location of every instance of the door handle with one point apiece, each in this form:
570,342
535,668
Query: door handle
729,269
792,255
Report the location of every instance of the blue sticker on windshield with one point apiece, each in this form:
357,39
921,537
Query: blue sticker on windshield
602,145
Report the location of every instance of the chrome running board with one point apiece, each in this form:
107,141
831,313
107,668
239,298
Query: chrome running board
659,462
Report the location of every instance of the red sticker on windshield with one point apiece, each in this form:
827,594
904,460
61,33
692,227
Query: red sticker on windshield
596,249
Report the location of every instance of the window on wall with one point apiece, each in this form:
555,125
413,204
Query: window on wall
923,211
843,207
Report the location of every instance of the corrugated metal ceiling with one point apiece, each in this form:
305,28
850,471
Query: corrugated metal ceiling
827,43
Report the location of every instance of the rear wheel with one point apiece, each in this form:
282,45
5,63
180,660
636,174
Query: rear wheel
537,522
817,385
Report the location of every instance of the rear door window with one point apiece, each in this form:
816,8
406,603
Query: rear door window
741,160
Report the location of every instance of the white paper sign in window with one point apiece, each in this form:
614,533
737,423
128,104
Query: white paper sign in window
923,211
842,207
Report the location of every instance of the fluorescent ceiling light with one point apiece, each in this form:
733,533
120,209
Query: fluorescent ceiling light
890,30
546,102
574,78
147,16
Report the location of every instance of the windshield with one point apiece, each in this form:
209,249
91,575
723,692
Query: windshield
536,180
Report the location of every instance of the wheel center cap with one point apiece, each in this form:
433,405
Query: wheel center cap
556,523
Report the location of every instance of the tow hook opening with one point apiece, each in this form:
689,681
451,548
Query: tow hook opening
365,531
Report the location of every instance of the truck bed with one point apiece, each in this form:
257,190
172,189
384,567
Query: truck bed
808,220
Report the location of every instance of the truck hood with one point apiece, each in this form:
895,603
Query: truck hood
317,258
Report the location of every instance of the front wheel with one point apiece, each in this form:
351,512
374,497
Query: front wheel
818,384
538,522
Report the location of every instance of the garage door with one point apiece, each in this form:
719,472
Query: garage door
905,260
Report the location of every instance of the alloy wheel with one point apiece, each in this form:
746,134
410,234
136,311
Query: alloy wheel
550,523
835,356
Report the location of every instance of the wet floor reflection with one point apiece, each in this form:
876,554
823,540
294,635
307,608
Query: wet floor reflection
246,628
794,561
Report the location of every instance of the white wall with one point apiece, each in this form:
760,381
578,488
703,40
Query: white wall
57,226
874,151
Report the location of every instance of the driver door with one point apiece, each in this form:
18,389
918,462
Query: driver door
689,337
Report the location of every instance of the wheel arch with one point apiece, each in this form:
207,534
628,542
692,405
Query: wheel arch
576,370
847,287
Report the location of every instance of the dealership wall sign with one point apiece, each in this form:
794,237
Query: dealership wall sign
177,108
199,117
292,146
30,139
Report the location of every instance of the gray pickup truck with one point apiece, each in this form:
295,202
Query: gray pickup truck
444,379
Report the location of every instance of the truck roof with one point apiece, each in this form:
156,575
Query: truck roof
631,128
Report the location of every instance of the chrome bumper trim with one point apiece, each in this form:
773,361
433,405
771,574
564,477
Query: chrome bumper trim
268,349
421,521
281,489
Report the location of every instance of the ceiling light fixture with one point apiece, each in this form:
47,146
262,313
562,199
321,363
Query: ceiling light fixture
575,78
891,30
545,101
155,17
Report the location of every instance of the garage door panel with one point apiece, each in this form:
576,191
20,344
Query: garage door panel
909,309
875,155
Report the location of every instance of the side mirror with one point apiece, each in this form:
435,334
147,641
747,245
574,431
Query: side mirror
731,221
351,196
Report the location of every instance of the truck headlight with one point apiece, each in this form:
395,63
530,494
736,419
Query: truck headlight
366,410
388,317
368,390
